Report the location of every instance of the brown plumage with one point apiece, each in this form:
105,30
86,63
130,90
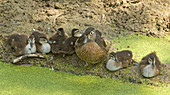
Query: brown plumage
22,44
150,65
88,50
99,40
119,60
68,44
91,53
125,57
57,40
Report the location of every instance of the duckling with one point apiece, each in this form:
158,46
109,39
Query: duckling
150,65
68,44
99,39
31,46
88,50
112,65
22,44
119,60
57,40
45,45
42,42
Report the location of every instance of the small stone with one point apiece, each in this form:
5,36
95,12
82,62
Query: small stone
58,6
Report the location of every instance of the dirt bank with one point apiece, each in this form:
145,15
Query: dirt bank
113,17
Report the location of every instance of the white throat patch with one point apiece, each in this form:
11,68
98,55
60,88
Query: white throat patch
46,48
148,71
112,66
29,50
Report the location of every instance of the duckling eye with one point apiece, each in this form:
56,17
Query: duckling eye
76,31
91,32
45,40
112,57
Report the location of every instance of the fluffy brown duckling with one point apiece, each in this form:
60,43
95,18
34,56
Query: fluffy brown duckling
68,44
22,44
99,39
150,65
42,42
119,60
57,41
88,50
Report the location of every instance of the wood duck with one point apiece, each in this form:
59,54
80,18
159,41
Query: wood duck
68,44
45,45
57,41
88,50
22,44
31,46
150,65
84,38
119,60
42,42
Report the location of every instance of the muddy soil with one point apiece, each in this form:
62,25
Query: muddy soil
111,17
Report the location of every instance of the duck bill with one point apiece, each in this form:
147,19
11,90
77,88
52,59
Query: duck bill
48,41
153,64
31,44
116,60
